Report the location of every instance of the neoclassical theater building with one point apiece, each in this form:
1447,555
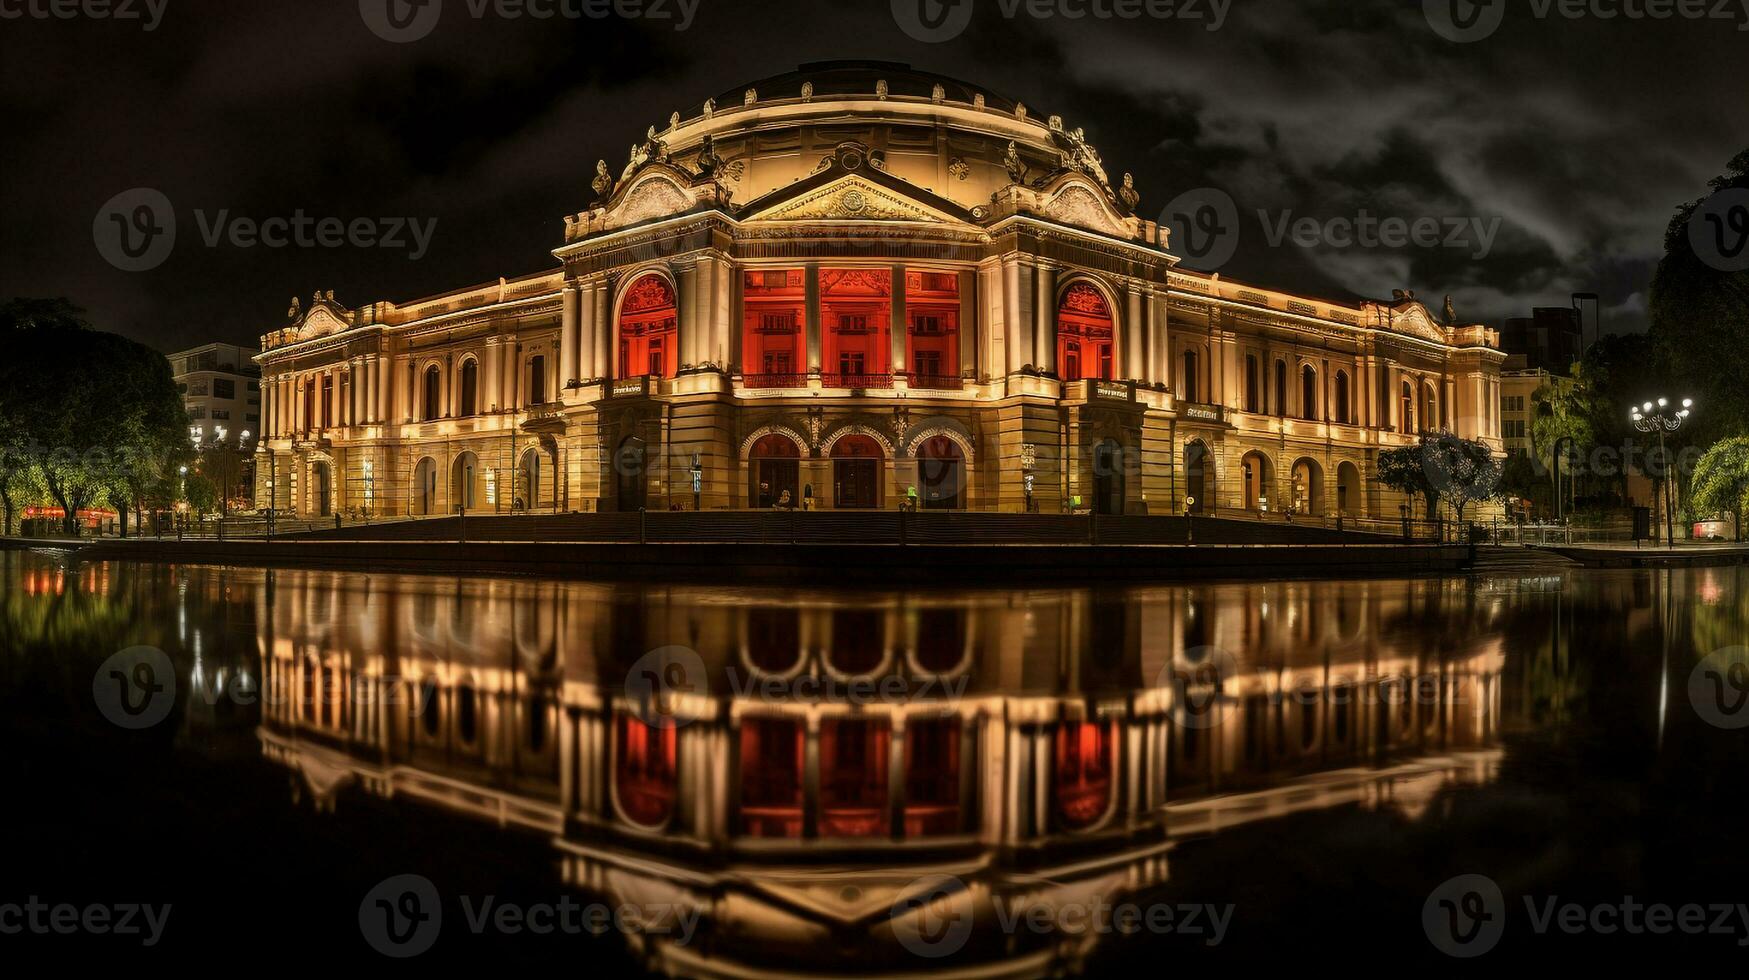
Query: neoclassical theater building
841,283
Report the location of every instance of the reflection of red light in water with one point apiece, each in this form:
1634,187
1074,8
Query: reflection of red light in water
1084,762
932,776
853,778
771,777
644,776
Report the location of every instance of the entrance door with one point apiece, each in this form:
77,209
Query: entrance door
856,472
1195,485
942,473
324,489
1108,478
628,464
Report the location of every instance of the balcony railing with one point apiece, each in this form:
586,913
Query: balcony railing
938,382
857,380
774,381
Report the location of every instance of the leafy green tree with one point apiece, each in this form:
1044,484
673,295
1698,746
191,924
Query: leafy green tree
1700,320
1721,480
201,493
1402,470
1442,466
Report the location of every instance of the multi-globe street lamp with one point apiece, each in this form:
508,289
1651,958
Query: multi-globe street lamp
1662,417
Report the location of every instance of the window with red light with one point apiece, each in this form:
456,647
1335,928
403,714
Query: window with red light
853,778
1084,334
932,340
932,777
855,318
773,328
771,777
1085,758
648,329
644,772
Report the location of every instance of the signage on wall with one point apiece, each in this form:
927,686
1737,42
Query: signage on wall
1112,390
1201,413
630,387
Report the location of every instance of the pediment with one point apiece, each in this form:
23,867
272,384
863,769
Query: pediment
1077,202
851,198
320,322
1414,320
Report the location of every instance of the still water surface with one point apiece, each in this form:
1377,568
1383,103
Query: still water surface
734,781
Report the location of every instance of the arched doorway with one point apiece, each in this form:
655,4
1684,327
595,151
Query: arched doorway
528,481
1084,334
462,476
648,329
433,394
774,467
1256,476
941,474
856,472
1348,489
1196,487
1108,478
628,468
321,490
423,493
1308,487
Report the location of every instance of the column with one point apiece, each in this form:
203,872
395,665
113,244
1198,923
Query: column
1132,354
385,386
603,330
1159,342
725,312
811,290
586,327
1011,316
568,299
899,323
512,375
1044,355
693,315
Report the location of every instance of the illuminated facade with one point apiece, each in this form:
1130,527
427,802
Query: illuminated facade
847,281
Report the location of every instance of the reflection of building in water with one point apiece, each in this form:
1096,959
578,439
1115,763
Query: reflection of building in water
1040,746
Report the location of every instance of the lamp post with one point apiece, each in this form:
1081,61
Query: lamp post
1662,417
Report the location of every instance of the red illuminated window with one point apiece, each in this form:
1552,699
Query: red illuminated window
1085,757
932,309
647,329
932,777
771,777
853,778
644,771
774,345
1084,333
856,307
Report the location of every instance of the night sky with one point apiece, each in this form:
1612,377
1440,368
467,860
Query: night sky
1580,135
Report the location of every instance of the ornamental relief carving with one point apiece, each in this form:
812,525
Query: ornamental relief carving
1076,205
850,199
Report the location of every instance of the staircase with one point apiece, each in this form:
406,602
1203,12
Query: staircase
1519,560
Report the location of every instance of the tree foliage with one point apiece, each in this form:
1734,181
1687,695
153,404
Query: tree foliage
1721,480
1442,466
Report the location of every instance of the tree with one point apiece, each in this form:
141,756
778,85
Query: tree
1721,479
1700,319
1521,478
1442,466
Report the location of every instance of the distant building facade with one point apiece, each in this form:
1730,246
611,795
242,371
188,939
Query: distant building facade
220,385
1550,339
841,283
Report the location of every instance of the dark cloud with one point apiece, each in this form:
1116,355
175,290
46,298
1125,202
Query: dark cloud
1581,137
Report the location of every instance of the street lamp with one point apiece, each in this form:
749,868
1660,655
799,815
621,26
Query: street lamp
1662,417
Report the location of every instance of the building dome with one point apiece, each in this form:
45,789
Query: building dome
938,133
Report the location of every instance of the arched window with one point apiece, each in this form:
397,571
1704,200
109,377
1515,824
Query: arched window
1253,384
470,388
1430,418
433,393
1188,386
1084,334
644,771
1308,392
1341,412
1407,422
1281,387
1085,757
648,329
